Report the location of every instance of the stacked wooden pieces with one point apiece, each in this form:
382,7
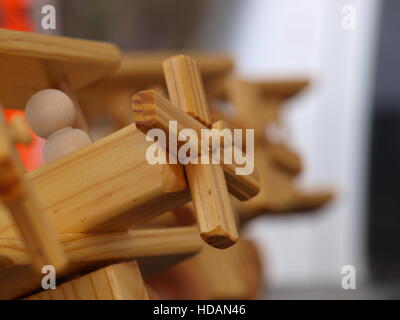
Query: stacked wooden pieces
83,196
91,202
258,105
109,191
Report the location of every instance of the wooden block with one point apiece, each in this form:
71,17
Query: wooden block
155,249
208,188
80,193
31,62
116,282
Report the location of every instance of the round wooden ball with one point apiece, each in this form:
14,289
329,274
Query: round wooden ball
48,111
64,142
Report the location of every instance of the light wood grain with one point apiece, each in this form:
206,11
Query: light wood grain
207,183
156,249
21,202
116,282
109,99
106,186
28,62
154,111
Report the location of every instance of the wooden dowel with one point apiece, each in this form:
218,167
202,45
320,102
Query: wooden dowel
151,110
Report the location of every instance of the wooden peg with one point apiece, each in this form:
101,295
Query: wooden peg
208,187
51,114
185,87
19,199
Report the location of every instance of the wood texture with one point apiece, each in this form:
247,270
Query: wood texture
185,87
116,282
81,193
31,62
154,111
155,249
143,69
109,100
21,202
207,183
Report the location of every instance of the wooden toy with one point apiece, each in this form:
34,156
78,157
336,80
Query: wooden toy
257,105
119,220
51,115
95,193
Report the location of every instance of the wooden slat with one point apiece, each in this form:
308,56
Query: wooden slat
208,188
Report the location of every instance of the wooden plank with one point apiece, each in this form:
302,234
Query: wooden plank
155,249
207,183
116,282
28,62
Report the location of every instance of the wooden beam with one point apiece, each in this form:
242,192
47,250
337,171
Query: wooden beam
105,186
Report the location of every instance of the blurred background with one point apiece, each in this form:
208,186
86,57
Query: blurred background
346,125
